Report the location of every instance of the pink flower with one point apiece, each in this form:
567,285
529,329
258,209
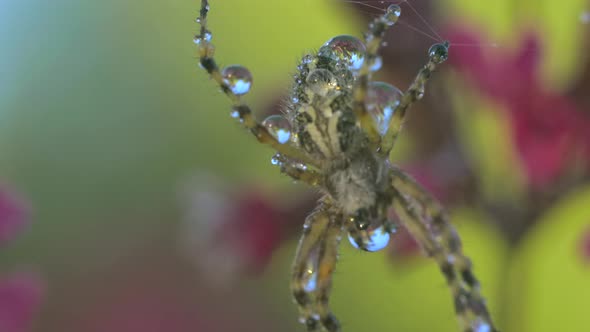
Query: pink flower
547,128
20,296
229,233
13,215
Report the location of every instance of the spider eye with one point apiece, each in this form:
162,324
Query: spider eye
322,82
361,219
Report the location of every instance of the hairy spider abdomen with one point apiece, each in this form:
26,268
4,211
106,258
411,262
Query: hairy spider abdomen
355,183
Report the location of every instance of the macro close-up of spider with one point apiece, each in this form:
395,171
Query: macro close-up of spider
336,133
290,166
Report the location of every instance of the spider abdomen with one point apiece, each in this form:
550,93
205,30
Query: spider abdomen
356,183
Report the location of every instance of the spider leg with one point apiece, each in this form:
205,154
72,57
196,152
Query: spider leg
373,39
438,53
440,240
314,265
298,171
241,110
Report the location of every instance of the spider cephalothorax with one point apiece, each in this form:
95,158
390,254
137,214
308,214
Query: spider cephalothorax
336,134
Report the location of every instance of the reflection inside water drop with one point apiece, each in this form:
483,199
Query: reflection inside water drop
372,240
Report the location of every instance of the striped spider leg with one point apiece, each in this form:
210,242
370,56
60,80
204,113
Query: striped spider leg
336,135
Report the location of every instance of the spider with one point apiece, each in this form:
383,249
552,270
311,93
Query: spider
337,133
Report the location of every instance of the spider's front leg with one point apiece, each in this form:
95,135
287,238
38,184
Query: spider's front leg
235,81
438,54
373,39
298,171
314,265
428,223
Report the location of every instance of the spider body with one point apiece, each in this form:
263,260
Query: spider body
325,128
338,130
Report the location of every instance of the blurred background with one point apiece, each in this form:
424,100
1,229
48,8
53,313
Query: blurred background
131,201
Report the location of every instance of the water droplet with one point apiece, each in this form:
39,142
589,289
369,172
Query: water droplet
392,15
308,58
480,326
311,280
237,78
420,92
205,37
376,239
382,100
376,64
322,82
279,127
439,52
345,48
276,160
234,114
198,20
295,100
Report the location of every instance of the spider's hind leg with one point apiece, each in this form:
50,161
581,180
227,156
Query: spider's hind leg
314,265
428,223
240,109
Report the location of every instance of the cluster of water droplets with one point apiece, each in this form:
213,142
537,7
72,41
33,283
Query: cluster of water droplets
382,100
205,37
279,127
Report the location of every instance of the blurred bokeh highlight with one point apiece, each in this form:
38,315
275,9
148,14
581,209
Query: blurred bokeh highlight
130,201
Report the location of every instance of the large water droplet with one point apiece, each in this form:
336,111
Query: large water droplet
382,100
345,48
237,78
279,127
378,239
392,15
322,82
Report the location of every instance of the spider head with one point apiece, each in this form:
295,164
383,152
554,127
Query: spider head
322,105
